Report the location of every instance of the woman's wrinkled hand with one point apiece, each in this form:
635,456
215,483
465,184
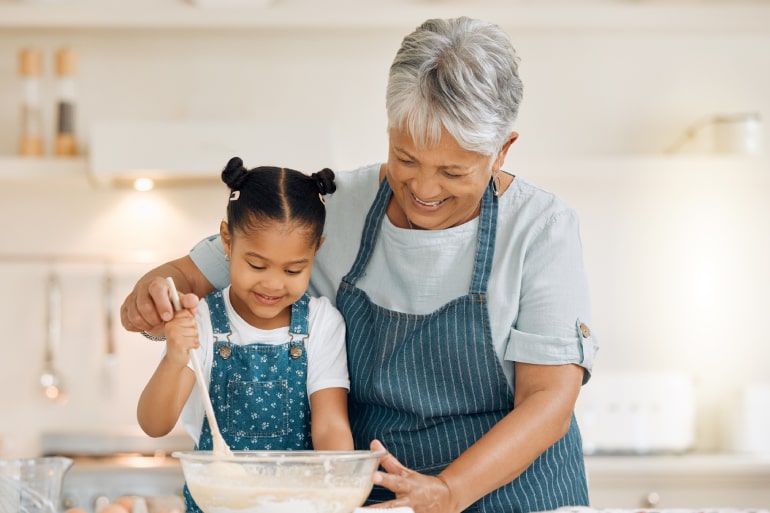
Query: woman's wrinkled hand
422,493
148,306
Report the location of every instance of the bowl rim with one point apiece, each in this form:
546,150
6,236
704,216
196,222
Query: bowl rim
303,456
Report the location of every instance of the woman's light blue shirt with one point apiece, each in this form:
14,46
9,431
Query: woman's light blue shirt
539,305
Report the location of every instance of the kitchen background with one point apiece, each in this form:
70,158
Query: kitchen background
676,245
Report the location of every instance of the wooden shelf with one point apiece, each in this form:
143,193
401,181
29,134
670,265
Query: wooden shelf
43,169
643,166
545,170
647,15
54,171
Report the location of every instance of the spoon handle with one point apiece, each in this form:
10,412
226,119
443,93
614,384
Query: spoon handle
220,446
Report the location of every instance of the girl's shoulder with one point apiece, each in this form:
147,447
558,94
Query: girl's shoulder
202,311
321,307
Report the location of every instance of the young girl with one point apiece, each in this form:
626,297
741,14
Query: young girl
273,356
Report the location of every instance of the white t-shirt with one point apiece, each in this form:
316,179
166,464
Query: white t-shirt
539,305
325,346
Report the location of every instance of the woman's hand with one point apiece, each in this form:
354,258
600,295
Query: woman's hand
422,493
148,306
544,400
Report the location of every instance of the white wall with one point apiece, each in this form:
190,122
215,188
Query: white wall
676,251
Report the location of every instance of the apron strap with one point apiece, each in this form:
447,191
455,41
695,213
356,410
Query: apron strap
370,231
220,324
484,251
298,330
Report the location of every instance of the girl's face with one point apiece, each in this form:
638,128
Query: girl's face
269,270
439,187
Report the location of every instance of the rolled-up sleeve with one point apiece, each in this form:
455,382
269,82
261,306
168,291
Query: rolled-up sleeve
552,325
579,348
209,256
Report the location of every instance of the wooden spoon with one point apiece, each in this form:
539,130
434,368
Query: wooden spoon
220,446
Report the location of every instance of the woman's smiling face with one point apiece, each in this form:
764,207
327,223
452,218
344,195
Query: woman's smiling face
438,187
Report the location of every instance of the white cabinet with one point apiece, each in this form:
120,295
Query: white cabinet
687,481
166,59
39,169
170,60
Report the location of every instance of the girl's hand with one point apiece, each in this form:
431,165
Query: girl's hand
181,337
422,493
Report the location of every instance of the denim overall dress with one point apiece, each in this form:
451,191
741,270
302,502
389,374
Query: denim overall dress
429,386
259,391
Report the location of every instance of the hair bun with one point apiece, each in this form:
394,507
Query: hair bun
234,173
324,180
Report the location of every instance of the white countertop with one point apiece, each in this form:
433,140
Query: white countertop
689,464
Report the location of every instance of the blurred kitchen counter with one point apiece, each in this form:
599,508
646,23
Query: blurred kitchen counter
679,481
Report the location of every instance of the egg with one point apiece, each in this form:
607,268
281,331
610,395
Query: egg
113,508
126,501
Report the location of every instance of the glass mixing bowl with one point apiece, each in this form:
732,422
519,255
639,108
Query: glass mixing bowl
279,481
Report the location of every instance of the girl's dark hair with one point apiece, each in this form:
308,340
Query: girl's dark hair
267,193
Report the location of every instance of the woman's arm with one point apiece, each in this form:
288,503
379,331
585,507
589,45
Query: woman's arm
544,401
543,405
330,426
148,304
168,389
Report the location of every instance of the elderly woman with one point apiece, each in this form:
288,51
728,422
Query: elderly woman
462,287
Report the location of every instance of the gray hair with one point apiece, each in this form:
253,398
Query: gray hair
459,74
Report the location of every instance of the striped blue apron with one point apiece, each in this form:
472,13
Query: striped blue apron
259,391
429,386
